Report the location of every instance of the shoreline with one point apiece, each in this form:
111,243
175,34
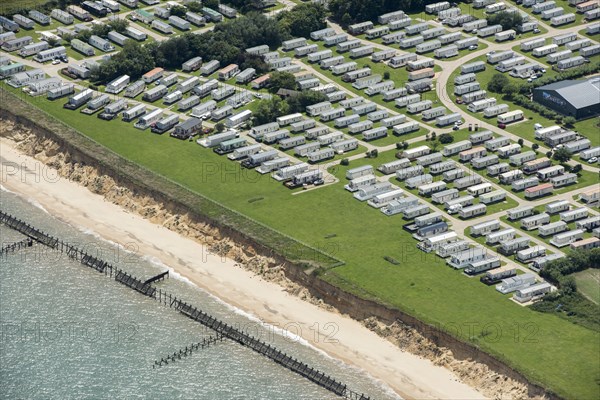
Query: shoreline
408,375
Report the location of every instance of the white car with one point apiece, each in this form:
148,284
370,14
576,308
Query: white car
55,62
593,160
473,47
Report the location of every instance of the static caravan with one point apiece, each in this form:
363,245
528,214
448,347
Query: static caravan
287,173
393,166
353,173
135,34
360,28
429,159
155,93
448,119
430,188
440,167
489,31
421,63
549,172
590,153
532,292
319,56
276,136
335,39
495,144
483,162
557,206
473,96
589,224
322,33
521,212
526,255
509,150
421,74
361,182
365,81
484,228
348,45
455,204
500,236
493,111
291,44
552,228
577,145
306,178
466,78
305,149
61,16
510,64
204,109
473,25
505,35
417,211
455,148
466,43
562,19
563,180
352,76
479,189
522,184
574,215
466,181
539,7
330,138
465,258
445,196
510,247
578,44
406,100
273,165
360,126
134,112
394,94
195,19
533,44
302,125
545,50
50,54
416,152
23,21
216,139
336,96
496,169
533,221
450,37
60,91
342,122
519,159
162,27
321,155
527,26
409,172
560,138
330,62
566,238
344,68
395,37
578,60
316,132
428,46
542,133
305,50
514,283
433,112
439,242
165,124
379,88
218,113
429,219
291,142
343,146
419,106
118,85
149,119
406,127
365,108
533,166
447,249
553,12
446,52
466,88
558,56
238,119
400,23
480,105
409,42
510,176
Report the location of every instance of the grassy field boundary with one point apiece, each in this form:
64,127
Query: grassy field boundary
220,215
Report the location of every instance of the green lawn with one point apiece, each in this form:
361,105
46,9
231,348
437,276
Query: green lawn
420,285
588,283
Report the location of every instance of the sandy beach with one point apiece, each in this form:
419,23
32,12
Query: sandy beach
410,376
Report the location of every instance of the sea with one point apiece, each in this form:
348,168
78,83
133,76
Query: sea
69,332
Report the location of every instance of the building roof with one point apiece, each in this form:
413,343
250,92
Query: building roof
579,93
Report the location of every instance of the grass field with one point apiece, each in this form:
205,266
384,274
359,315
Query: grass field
420,285
588,283
10,6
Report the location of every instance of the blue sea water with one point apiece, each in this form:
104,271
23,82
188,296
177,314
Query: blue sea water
69,332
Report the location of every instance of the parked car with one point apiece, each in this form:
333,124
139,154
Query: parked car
593,160
473,47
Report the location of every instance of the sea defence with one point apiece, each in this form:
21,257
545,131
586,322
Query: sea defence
146,288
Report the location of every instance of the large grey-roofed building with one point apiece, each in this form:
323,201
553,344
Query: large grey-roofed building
575,98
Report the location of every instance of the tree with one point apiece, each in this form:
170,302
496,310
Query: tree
498,83
134,60
535,146
562,155
510,90
386,75
220,127
576,169
549,154
52,41
304,99
303,19
178,11
446,138
520,142
269,109
569,121
506,19
214,4
345,162
281,80
118,24
195,6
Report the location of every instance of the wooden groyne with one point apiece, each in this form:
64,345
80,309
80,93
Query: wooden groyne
221,328
16,246
188,350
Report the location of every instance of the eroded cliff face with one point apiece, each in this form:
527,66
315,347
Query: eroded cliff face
36,143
